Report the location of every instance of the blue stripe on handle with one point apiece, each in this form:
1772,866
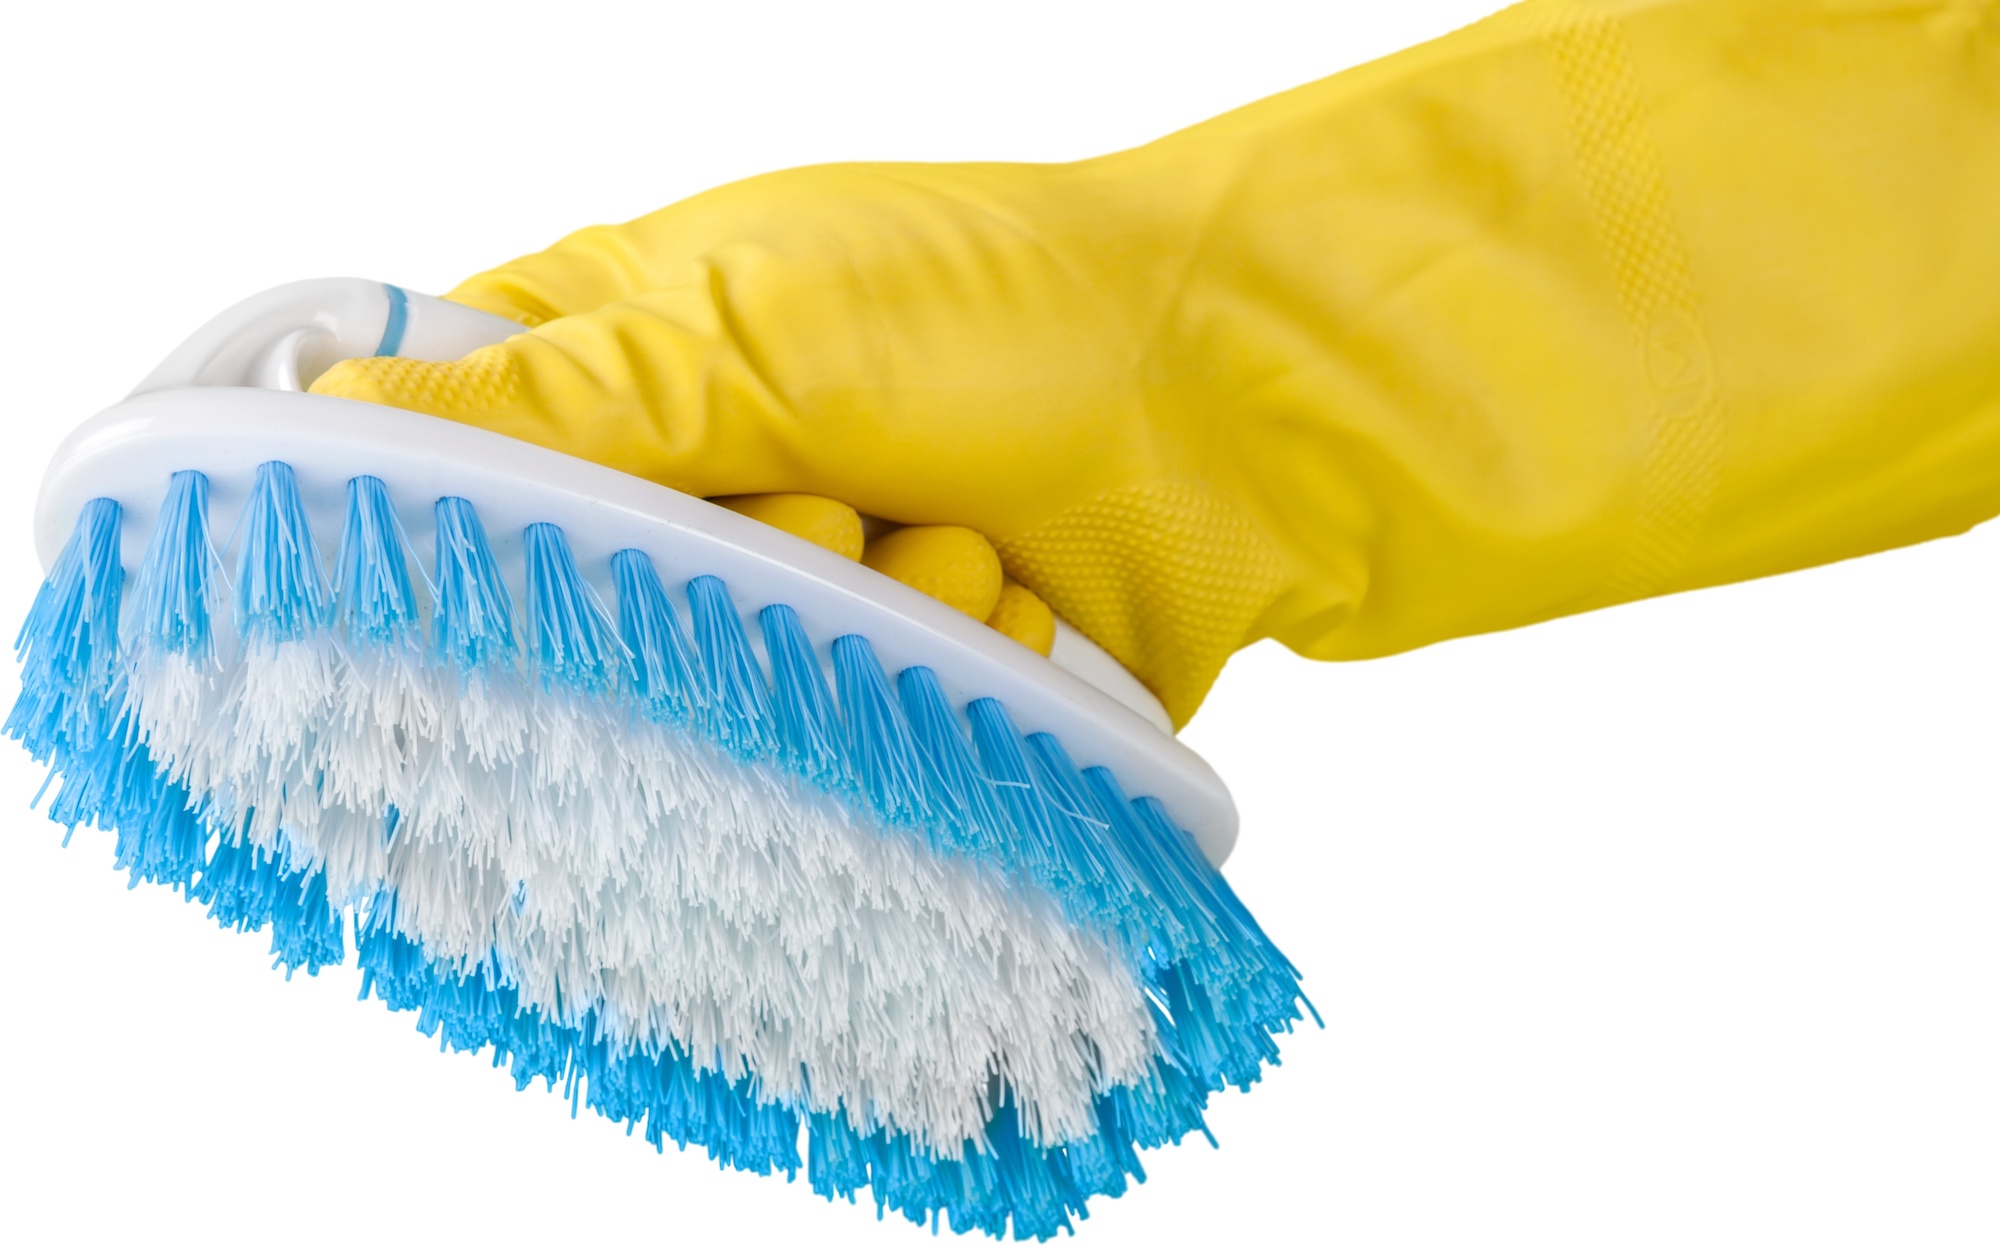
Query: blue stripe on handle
399,319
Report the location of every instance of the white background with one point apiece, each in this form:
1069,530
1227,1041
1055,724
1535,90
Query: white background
1673,923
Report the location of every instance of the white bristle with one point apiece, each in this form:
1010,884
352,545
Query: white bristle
678,893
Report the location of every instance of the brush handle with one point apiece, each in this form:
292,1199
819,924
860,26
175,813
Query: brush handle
285,337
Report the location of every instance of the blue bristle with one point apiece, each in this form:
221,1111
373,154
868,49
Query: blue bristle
466,1012
904,1179
836,1157
174,591
808,732
159,838
68,646
236,885
663,663
1176,920
1029,1178
884,752
1192,1035
393,969
70,712
1243,986
306,931
571,639
247,888
969,1189
1179,851
69,715
738,710
474,627
1158,1110
1004,756
377,604
281,588
680,1111
1106,882
112,781
973,821
1101,1164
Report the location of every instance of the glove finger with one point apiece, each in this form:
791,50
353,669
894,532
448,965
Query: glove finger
823,521
955,565
952,564
1024,617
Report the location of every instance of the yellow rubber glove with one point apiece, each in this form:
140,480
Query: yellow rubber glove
1586,302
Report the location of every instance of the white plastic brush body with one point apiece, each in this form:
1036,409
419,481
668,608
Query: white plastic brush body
230,398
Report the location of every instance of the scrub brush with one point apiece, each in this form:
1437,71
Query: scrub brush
727,837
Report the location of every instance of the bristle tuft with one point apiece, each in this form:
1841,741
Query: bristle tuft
377,602
571,639
281,588
474,626
808,731
737,708
885,753
663,663
970,810
175,590
68,646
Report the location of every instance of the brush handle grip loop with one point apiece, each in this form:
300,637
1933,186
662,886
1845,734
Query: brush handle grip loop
285,337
